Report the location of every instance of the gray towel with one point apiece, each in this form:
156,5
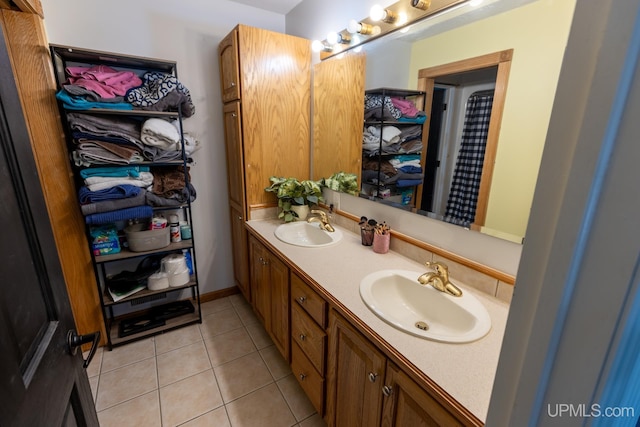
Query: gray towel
112,205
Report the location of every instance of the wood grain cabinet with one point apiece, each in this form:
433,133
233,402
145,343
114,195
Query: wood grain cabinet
366,389
270,293
265,85
309,340
355,377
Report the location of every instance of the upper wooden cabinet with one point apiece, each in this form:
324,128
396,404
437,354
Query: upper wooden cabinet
269,74
229,67
338,112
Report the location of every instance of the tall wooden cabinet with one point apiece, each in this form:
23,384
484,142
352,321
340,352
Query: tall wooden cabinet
265,83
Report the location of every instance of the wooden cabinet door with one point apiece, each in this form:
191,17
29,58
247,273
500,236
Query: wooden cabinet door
338,113
240,252
261,297
279,287
229,67
235,159
408,405
355,377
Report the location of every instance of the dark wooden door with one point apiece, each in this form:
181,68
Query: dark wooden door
41,383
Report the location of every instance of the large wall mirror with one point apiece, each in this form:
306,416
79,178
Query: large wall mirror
508,56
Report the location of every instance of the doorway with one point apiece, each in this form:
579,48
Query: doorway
450,86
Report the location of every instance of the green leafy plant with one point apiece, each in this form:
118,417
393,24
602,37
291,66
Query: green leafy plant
343,182
292,192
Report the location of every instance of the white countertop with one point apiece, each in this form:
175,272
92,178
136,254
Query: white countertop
465,371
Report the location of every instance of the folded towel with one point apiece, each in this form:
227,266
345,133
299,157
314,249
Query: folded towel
157,86
71,102
103,80
116,204
89,95
160,133
176,198
96,183
115,172
109,149
92,155
116,192
119,215
107,126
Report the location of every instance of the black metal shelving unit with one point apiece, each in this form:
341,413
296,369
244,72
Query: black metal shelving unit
379,186
156,301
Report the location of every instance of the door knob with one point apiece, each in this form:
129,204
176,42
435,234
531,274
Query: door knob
74,341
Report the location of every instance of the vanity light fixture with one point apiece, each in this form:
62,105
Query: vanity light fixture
335,38
355,27
378,13
421,4
318,46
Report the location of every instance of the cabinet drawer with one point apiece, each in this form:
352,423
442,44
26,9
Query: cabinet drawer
310,338
310,381
309,300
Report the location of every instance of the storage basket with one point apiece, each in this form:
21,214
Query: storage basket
140,239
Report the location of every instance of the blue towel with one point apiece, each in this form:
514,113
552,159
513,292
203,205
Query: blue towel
116,192
410,169
119,215
418,120
115,172
71,102
408,182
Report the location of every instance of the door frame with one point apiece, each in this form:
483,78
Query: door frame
426,82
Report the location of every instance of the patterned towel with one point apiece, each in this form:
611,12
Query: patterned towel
158,86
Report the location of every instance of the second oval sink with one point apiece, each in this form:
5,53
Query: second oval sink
309,235
397,298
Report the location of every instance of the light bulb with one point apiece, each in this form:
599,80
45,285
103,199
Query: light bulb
475,3
333,38
376,13
353,26
317,46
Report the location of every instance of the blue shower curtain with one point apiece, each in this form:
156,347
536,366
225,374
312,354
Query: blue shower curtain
463,196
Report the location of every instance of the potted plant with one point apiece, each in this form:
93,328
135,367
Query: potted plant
294,196
342,182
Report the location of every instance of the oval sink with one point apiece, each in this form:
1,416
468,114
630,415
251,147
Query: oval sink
309,235
397,298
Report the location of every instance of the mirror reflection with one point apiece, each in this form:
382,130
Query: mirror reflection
522,89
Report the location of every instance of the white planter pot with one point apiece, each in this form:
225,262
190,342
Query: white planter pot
302,211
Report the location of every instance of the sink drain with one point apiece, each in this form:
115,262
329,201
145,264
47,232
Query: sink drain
422,325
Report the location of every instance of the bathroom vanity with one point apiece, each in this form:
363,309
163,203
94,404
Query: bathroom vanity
352,364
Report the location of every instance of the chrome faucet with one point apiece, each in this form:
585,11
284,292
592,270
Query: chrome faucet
323,219
439,279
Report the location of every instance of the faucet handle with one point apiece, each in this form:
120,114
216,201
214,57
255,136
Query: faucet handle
438,266
319,212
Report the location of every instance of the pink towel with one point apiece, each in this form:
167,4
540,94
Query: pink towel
103,80
407,108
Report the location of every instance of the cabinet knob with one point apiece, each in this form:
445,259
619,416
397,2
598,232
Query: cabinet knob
302,377
373,377
261,259
234,115
233,84
302,337
239,217
302,299
387,391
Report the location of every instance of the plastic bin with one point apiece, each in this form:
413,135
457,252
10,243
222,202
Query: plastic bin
140,239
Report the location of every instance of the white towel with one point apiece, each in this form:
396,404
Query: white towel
160,133
96,183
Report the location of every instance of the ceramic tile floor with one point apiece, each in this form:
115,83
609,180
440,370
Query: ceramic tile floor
223,372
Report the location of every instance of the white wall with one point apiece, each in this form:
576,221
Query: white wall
187,32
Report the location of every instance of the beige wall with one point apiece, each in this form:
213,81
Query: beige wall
538,34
